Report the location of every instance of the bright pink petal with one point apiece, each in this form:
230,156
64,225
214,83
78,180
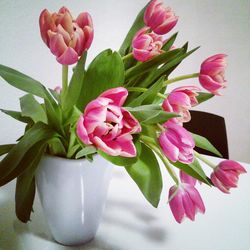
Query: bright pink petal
68,57
117,95
81,131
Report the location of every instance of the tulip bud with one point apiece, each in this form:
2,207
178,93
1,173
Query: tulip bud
177,143
212,73
67,38
159,18
186,202
146,45
180,100
226,175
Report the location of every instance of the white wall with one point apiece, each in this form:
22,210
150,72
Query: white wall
218,25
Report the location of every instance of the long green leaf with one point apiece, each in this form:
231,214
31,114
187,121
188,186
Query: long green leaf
4,149
32,108
204,143
39,132
138,24
147,175
25,185
22,82
17,115
75,85
202,97
170,42
194,169
105,71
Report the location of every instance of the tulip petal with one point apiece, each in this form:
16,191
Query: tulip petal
68,57
117,95
81,131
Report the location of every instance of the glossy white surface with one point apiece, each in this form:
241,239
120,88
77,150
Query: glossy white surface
73,195
130,223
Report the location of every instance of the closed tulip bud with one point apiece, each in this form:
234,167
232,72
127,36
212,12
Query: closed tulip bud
226,175
186,202
146,45
159,18
212,73
67,38
177,143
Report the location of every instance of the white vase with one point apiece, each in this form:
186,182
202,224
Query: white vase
73,195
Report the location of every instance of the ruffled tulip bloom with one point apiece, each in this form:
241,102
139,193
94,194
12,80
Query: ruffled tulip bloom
212,73
160,18
67,38
177,143
186,202
180,100
108,126
226,175
185,178
146,45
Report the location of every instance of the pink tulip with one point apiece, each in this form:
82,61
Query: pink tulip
187,202
107,125
58,89
180,100
212,73
177,143
226,175
185,178
67,38
146,45
159,18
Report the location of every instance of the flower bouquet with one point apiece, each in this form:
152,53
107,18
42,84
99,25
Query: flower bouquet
118,107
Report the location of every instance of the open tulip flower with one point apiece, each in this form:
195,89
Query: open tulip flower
67,38
119,107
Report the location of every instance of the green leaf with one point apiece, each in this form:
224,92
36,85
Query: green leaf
170,42
202,97
85,151
22,82
56,147
4,149
148,107
105,71
32,108
75,85
25,185
17,115
147,97
204,143
194,169
147,175
39,132
138,24
156,61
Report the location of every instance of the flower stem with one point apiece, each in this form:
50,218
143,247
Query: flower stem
205,160
180,78
150,142
64,78
128,56
140,89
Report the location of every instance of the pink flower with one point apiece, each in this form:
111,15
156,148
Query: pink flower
146,45
67,38
185,178
212,73
180,100
177,143
186,202
107,125
226,175
159,18
58,89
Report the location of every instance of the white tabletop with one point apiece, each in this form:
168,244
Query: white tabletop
130,223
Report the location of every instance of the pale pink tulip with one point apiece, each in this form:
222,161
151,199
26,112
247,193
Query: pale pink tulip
212,73
66,37
146,45
160,18
177,143
107,125
185,178
226,175
187,202
180,100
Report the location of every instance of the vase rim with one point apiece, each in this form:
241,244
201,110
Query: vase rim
66,159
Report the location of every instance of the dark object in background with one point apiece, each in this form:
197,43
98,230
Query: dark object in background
212,127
